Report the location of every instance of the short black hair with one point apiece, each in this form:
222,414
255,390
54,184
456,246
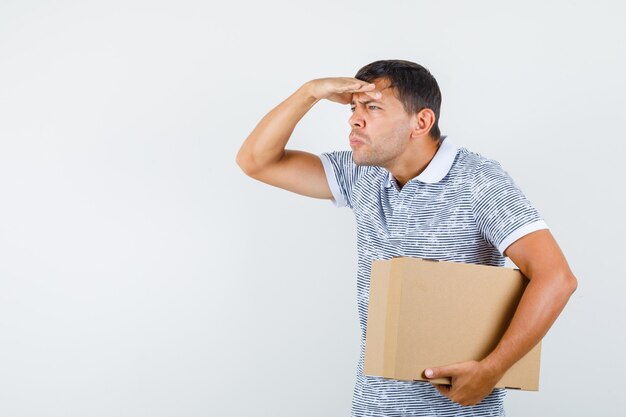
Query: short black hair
415,86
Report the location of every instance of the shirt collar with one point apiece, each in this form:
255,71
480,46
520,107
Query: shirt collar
438,167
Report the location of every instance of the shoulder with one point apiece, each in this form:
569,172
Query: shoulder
477,166
470,160
479,174
468,164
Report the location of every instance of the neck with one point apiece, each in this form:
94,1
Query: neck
417,158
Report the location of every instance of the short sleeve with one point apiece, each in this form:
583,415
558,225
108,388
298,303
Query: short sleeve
501,211
341,174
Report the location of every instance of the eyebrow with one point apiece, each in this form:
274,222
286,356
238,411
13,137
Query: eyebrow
352,103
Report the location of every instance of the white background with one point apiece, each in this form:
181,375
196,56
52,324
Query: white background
143,274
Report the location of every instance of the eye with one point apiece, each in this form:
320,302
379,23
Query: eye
352,109
373,107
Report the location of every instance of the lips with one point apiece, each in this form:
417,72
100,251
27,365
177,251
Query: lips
356,140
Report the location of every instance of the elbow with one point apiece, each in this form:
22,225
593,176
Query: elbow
571,283
239,160
253,164
244,162
565,285
561,285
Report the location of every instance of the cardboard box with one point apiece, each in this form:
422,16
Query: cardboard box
425,313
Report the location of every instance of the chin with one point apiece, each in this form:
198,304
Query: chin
357,160
365,159
363,162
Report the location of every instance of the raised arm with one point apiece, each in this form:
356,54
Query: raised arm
263,155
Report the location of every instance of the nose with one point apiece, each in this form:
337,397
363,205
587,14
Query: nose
356,119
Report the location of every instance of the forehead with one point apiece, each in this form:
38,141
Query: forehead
384,86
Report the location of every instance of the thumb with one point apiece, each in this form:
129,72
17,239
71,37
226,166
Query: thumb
441,371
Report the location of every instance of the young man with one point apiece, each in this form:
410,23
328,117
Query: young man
415,193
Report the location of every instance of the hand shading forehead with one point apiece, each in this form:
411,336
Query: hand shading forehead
383,86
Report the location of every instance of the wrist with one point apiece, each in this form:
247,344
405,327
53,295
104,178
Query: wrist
493,367
307,91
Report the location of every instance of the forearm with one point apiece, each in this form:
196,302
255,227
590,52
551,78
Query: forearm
542,302
266,144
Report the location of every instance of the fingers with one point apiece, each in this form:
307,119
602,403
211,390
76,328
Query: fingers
468,385
439,372
442,371
374,94
366,87
369,89
357,88
341,89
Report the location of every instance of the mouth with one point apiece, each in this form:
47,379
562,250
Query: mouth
355,140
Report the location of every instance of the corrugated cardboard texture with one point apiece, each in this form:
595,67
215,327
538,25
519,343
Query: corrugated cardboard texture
426,313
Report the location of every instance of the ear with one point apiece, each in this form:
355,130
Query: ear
423,122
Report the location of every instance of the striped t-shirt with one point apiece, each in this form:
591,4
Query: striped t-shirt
463,207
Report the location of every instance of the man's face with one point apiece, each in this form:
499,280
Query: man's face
381,128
